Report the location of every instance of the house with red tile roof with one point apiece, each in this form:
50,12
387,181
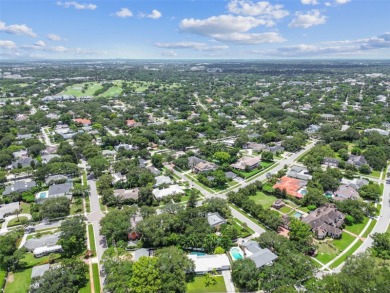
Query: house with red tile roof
291,185
85,122
132,123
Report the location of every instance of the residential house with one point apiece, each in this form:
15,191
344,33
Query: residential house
154,170
38,271
292,186
47,158
260,256
345,192
127,194
24,136
140,253
230,175
56,190
171,190
162,180
83,121
132,123
325,221
23,162
328,117
19,187
46,250
44,240
246,163
108,153
54,179
8,209
20,154
380,131
357,161
125,146
331,162
299,172
200,166
215,220
210,262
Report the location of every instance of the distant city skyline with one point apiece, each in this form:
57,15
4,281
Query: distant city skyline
218,29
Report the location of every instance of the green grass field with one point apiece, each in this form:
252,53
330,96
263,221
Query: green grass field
348,253
329,250
96,277
345,240
91,236
16,221
25,207
286,210
357,228
2,278
18,282
369,229
198,285
76,89
265,200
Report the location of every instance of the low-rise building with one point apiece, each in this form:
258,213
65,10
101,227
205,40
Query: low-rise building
260,256
299,172
8,209
325,221
331,162
345,192
200,166
83,121
162,180
292,186
357,161
171,190
19,187
127,194
215,220
246,163
208,263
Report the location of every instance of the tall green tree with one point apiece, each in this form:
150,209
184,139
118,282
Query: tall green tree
73,236
146,276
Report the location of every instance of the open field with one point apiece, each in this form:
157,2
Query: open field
76,89
357,228
18,282
329,249
265,200
198,285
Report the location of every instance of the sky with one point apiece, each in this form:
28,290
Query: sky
194,29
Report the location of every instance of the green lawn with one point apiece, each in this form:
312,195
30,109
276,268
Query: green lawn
76,206
32,261
96,277
249,174
304,209
265,200
266,164
2,278
345,240
16,221
200,184
198,285
18,282
85,179
91,236
348,253
25,207
247,215
76,89
330,249
247,228
286,210
87,288
87,204
357,228
369,229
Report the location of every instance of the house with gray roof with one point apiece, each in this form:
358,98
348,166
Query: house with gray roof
55,179
47,158
331,162
260,256
45,240
215,220
19,187
23,162
357,161
299,172
346,192
38,271
8,209
140,253
162,180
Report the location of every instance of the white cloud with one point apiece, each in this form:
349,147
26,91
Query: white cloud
54,37
17,29
342,48
190,45
155,14
261,8
309,2
340,2
124,12
169,53
230,28
40,44
7,44
78,6
306,20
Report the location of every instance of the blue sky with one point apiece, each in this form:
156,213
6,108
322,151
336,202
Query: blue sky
195,29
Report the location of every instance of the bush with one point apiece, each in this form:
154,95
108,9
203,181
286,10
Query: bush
311,207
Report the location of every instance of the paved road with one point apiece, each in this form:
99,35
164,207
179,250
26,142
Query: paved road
46,137
4,228
255,227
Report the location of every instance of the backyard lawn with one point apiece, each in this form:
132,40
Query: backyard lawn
198,285
265,200
345,240
25,207
18,282
285,210
357,228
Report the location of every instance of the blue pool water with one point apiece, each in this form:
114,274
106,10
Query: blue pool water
42,195
236,253
297,215
303,192
198,253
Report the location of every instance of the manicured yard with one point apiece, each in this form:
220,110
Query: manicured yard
87,204
345,240
348,253
304,209
91,236
247,228
16,221
25,207
76,89
198,285
331,248
18,282
285,210
266,164
369,229
76,206
96,278
265,200
357,228
85,179
249,174
31,261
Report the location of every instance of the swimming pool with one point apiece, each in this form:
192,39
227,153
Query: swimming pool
297,215
236,253
197,253
41,195
303,192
